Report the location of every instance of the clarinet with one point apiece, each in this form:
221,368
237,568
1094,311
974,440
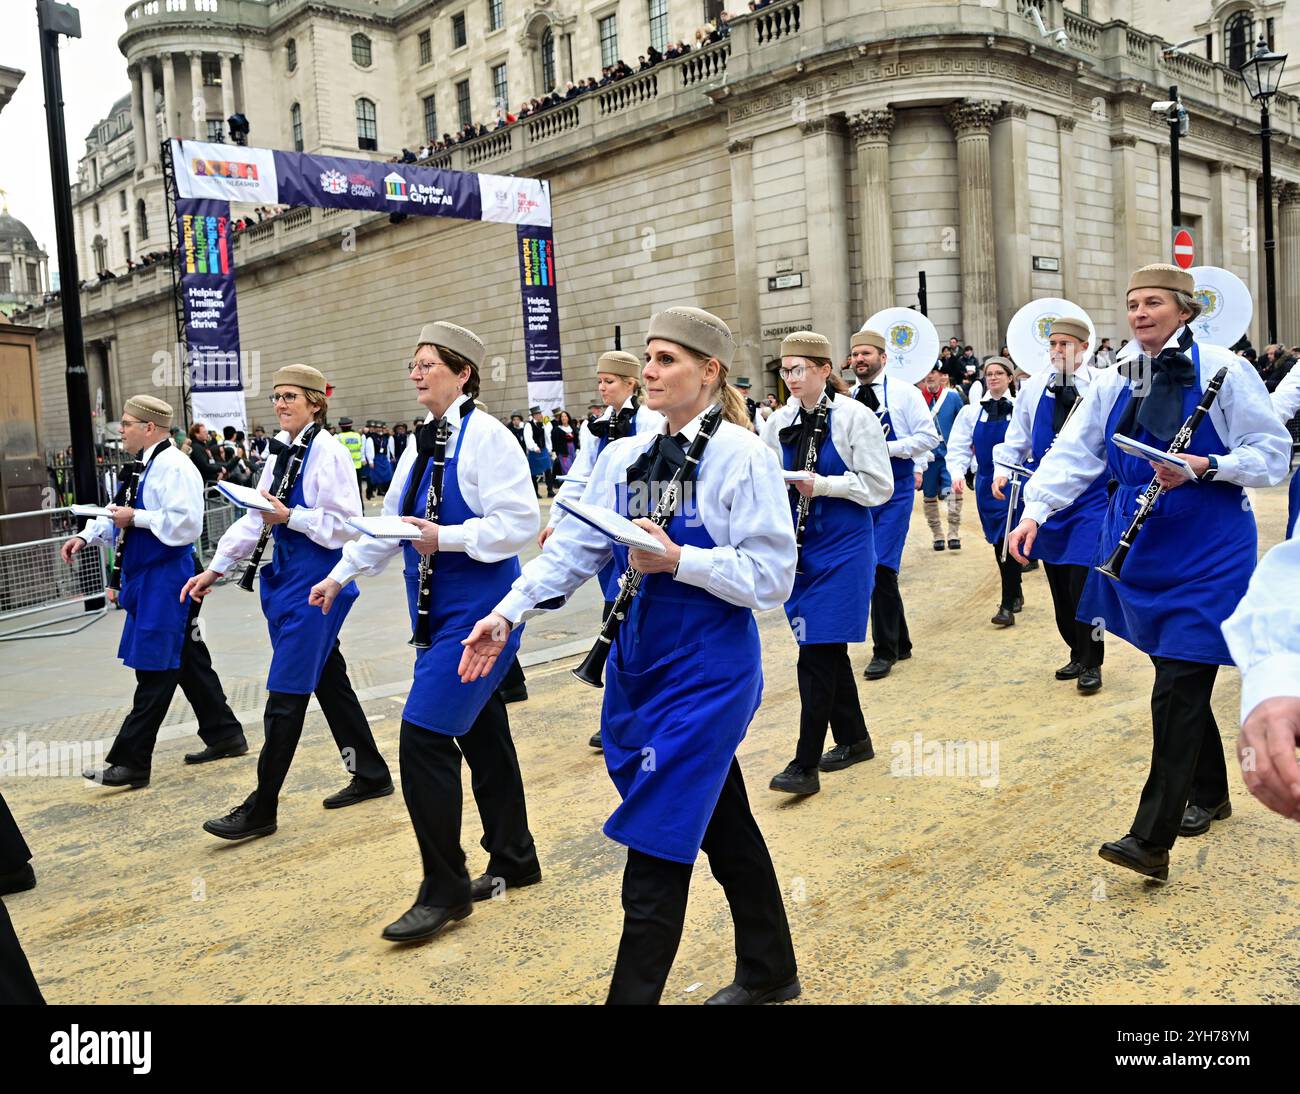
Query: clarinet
421,638
1113,565
820,413
589,672
297,454
128,496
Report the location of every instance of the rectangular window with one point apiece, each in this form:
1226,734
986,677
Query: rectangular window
426,47
430,118
216,131
291,54
121,201
659,24
608,28
1209,47
211,72
463,110
367,126
458,35
500,88
6,285
126,253
295,122
713,9
496,14
97,214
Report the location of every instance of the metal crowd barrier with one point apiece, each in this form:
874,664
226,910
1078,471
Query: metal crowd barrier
39,593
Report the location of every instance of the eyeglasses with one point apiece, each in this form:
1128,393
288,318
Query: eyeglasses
130,421
286,397
421,367
796,373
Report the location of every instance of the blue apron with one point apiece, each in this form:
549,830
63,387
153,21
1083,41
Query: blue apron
153,574
837,566
301,638
890,519
993,513
935,480
464,591
1293,504
382,473
1069,538
1191,563
609,573
683,680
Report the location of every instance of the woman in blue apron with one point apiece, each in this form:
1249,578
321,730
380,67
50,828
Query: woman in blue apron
831,600
309,530
684,676
978,428
381,474
487,514
1192,560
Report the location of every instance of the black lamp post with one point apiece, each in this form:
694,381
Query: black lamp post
1263,74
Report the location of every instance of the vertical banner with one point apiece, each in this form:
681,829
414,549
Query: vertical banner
541,317
207,275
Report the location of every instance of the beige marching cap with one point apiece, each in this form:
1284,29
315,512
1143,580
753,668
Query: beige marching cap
619,362
695,329
805,343
1161,275
1075,328
149,409
457,339
868,338
303,376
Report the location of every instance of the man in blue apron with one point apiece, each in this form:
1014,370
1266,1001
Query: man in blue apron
1191,562
909,432
936,484
157,516
1068,543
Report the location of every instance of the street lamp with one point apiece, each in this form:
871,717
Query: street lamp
1263,74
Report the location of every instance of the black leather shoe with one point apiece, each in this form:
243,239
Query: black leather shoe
357,791
939,545
1089,681
878,669
514,695
842,756
236,746
117,775
1196,819
954,545
1018,605
1139,855
236,825
1004,618
1069,671
424,921
19,881
734,995
596,742
486,886
796,779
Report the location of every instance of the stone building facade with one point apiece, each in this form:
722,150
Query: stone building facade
803,171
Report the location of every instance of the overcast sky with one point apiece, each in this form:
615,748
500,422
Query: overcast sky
94,77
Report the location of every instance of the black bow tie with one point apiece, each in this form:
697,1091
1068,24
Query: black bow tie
661,461
1160,410
1064,396
996,409
866,393
616,426
126,485
280,451
426,437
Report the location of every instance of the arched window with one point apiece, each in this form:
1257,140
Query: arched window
548,60
295,122
141,221
100,249
1238,39
291,54
361,50
367,129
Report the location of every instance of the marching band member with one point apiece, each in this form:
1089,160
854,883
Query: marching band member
936,484
618,380
309,529
828,608
978,428
910,433
1067,544
1192,561
684,674
157,518
1286,401
486,514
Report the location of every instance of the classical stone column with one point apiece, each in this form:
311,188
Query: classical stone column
170,112
137,116
749,356
1254,243
197,114
150,111
1009,151
871,131
1069,253
227,86
1288,266
827,222
971,123
1123,172
1219,244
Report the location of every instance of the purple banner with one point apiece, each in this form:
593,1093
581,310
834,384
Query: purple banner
338,183
541,316
207,269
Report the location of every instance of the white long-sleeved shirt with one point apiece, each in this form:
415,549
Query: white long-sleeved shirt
1018,444
493,479
961,441
1286,396
172,496
1259,448
645,421
739,496
329,486
859,440
1263,633
912,430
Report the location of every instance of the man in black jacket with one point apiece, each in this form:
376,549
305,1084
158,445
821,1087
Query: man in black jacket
201,455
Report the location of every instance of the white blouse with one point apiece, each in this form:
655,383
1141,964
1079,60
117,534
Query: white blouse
859,440
173,496
1263,634
1018,444
912,430
961,441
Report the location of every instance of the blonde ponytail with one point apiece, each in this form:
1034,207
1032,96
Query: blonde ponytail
734,409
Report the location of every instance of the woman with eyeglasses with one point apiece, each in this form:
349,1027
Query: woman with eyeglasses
309,530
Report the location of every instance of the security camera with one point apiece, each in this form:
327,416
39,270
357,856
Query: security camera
1163,106
1061,38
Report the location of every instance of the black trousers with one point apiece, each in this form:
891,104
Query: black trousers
153,695
889,637
828,694
1011,576
283,720
514,677
1066,583
14,852
430,764
654,906
17,984
1186,755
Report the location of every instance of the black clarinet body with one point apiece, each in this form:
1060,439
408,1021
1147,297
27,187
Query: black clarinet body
297,454
820,414
421,636
128,497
